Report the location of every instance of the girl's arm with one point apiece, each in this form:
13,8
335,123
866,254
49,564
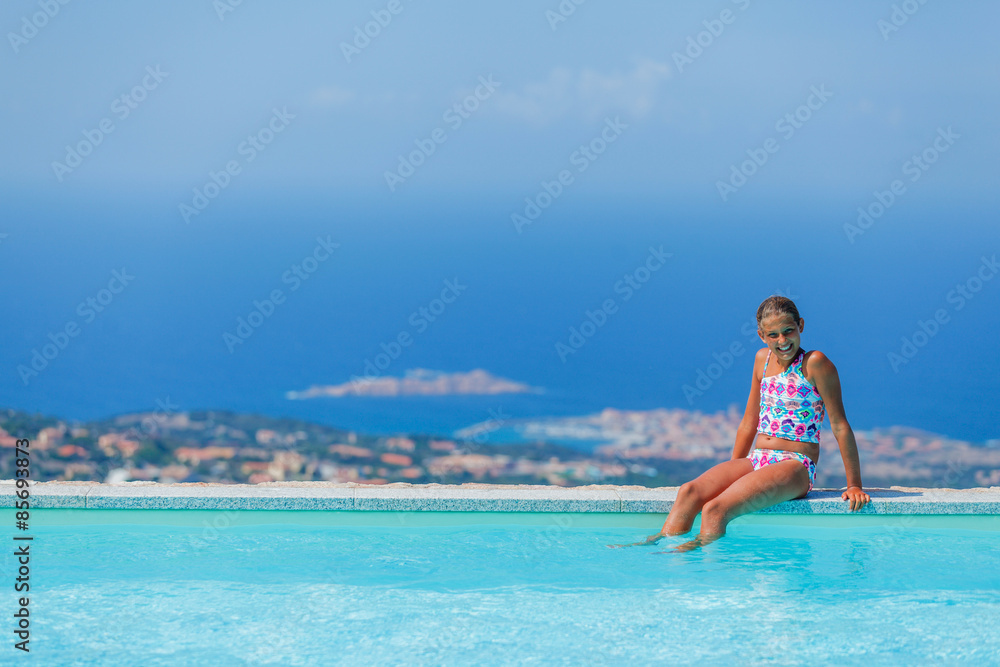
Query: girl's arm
827,382
747,429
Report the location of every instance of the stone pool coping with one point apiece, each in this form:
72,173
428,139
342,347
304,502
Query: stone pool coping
464,498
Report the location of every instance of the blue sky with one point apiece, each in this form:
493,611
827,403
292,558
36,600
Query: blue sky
818,107
687,123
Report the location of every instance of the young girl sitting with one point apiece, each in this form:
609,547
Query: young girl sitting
789,395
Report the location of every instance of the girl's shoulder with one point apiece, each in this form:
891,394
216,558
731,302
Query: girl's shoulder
816,364
758,362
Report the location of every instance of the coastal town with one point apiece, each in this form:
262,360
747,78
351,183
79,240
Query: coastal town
663,447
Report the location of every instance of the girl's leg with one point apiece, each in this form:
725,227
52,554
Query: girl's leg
762,488
693,495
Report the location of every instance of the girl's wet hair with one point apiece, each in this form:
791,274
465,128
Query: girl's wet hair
776,305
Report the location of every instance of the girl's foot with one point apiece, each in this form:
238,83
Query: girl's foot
691,545
652,539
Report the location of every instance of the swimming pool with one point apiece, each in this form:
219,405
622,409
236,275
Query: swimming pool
124,587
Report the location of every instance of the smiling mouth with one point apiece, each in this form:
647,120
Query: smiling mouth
786,348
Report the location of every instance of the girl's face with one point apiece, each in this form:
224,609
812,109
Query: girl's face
781,334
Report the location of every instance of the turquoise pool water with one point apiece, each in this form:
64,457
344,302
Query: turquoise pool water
220,588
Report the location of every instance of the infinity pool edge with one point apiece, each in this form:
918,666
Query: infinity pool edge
465,498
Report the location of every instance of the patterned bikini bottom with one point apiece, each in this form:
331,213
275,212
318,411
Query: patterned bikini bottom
765,457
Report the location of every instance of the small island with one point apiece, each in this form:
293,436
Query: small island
418,382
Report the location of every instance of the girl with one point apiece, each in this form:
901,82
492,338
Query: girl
791,391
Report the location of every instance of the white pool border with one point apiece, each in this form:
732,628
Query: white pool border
464,498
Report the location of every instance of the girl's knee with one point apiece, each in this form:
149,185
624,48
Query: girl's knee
714,511
689,493
714,517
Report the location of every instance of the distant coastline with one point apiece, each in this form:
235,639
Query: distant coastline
662,447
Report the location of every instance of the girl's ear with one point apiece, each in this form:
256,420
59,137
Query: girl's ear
802,325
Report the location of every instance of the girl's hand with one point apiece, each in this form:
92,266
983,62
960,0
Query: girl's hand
856,496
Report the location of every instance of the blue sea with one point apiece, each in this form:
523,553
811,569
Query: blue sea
680,335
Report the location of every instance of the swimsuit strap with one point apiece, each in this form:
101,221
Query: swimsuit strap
797,362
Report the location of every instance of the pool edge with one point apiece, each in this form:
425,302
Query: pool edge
465,498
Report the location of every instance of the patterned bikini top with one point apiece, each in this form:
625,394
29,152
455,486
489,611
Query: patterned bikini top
790,406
